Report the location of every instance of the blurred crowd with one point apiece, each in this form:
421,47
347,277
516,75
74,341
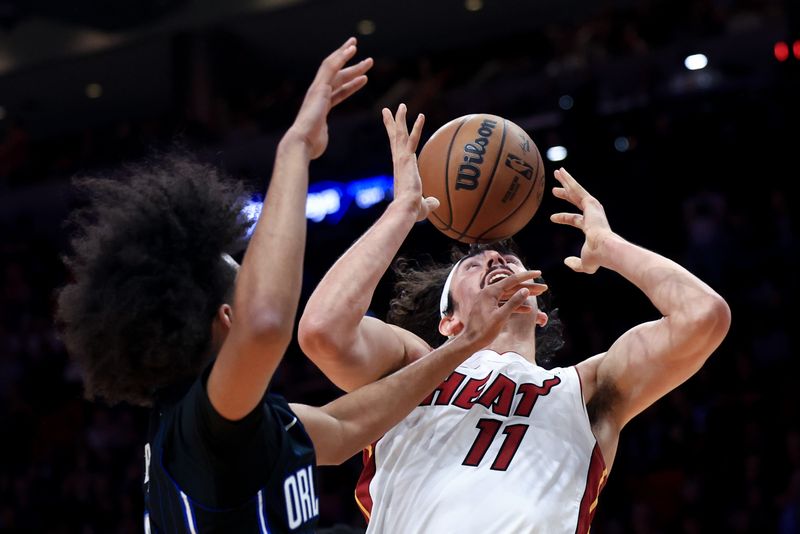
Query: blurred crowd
704,178
236,95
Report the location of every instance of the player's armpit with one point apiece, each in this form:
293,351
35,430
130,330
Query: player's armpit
653,358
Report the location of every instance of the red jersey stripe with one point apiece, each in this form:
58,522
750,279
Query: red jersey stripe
595,480
363,498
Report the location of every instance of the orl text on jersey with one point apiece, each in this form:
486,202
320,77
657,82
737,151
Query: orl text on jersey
302,503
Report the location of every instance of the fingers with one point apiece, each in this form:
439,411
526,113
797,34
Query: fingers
571,190
335,61
432,203
400,126
351,72
397,128
429,204
400,116
566,179
345,91
351,41
416,133
570,219
574,263
388,119
566,194
515,279
388,123
517,300
534,288
509,286
558,176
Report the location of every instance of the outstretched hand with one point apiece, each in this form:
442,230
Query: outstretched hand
332,84
592,221
407,182
496,302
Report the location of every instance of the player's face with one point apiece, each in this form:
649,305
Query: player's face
476,272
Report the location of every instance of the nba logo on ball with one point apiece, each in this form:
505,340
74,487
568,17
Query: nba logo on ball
487,174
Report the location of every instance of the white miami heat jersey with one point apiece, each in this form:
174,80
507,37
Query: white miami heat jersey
501,446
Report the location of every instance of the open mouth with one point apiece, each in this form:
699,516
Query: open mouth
495,276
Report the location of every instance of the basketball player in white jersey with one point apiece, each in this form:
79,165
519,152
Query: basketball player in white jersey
502,445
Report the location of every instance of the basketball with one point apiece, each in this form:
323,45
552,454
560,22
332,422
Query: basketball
487,174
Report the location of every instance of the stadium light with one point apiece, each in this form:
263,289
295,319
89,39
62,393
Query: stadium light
556,153
781,51
330,201
695,62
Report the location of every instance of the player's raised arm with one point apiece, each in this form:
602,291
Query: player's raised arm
655,357
268,284
349,347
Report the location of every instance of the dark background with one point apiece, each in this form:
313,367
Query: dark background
705,178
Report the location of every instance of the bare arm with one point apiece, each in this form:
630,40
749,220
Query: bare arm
269,281
347,425
653,358
350,348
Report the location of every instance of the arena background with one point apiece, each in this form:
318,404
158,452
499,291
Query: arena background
695,164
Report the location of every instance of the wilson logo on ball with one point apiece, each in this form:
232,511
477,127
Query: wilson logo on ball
488,175
469,172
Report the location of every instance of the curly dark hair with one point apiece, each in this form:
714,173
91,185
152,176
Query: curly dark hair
148,273
419,285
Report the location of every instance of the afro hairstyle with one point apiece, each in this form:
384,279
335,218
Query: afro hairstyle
148,272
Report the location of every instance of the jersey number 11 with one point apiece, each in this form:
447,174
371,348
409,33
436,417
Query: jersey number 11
488,429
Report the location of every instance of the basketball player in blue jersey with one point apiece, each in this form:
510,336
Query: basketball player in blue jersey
503,445
147,318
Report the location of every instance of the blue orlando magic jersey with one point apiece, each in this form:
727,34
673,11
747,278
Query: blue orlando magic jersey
204,473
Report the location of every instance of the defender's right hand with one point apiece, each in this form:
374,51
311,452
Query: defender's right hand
333,83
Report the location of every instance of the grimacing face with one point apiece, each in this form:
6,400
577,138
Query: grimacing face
476,272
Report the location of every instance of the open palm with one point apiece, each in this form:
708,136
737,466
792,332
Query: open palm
332,84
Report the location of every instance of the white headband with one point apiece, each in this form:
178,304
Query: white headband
444,300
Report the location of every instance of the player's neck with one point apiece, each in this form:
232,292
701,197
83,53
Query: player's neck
516,338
